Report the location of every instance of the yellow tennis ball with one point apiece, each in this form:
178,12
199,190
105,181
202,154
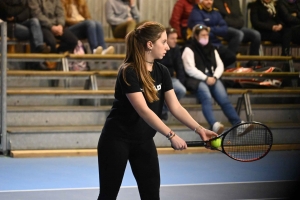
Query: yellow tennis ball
216,143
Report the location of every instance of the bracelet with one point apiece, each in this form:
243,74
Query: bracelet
197,128
170,135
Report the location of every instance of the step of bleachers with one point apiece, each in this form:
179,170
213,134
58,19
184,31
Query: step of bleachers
96,115
72,127
86,137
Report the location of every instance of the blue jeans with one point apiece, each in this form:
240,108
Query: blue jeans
179,90
205,93
236,36
92,30
30,29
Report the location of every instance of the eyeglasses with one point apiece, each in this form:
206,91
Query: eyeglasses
200,27
171,30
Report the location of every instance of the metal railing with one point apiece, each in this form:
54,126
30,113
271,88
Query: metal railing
3,134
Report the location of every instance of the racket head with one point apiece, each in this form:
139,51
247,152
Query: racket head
247,142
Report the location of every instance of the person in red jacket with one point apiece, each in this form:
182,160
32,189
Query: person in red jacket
180,16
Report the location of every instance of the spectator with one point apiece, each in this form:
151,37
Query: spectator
79,22
264,18
172,60
20,26
204,68
52,19
237,33
205,14
289,12
180,16
122,15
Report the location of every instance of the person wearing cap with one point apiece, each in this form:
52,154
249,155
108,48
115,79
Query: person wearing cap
204,69
203,13
172,60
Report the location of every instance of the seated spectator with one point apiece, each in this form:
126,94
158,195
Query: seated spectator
264,18
122,15
289,12
204,68
79,22
205,14
172,60
52,20
237,33
20,26
180,16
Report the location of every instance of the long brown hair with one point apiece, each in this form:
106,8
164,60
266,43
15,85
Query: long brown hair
136,46
80,5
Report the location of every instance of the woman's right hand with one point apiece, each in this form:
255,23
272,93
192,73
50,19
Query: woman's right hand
178,143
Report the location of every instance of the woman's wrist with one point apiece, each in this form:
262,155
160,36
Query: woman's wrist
199,127
170,135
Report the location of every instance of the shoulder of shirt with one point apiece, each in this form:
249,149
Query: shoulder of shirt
201,8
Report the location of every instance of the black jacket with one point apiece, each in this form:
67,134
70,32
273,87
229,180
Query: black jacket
172,60
261,19
14,8
233,16
286,10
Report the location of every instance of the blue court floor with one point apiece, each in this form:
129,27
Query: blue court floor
183,176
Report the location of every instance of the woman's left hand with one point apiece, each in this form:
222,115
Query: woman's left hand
178,143
210,81
206,134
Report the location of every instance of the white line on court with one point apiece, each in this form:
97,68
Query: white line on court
170,185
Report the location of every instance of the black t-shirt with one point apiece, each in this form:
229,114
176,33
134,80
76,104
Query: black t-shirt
123,120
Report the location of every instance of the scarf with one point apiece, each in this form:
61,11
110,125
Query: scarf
204,56
270,6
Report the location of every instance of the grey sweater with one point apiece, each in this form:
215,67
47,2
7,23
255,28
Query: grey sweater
49,12
117,12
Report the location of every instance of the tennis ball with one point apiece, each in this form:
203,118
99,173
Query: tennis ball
216,143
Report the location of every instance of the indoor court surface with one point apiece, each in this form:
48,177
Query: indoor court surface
207,176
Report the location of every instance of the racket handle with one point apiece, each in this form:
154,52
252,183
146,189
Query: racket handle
195,143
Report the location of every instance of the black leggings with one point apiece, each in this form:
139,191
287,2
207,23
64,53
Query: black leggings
113,155
68,40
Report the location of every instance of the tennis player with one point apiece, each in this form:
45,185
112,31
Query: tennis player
142,87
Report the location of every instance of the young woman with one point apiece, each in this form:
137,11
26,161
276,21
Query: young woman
204,67
79,22
142,87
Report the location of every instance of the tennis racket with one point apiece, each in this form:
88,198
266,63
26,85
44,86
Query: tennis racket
245,142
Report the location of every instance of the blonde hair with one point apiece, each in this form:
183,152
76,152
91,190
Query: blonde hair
80,5
136,46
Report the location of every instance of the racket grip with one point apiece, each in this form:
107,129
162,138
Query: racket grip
195,143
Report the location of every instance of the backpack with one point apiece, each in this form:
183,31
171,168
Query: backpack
78,65
258,82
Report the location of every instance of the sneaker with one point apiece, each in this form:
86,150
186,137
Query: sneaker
244,129
109,50
218,128
98,50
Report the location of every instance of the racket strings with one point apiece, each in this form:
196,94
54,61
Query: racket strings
248,142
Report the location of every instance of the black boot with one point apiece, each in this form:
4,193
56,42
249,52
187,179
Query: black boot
285,52
42,49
